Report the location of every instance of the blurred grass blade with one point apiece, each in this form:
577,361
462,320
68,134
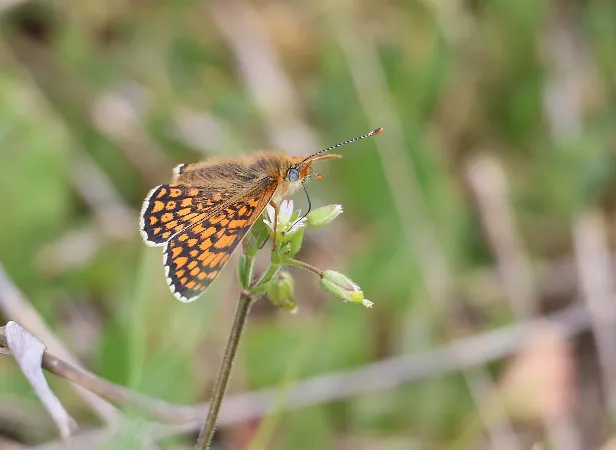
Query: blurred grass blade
28,351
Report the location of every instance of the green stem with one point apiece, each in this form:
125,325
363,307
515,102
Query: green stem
260,285
220,387
303,265
245,270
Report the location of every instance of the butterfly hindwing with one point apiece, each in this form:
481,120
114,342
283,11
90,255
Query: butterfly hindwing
196,255
170,208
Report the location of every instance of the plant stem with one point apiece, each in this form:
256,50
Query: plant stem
259,286
303,265
220,387
245,270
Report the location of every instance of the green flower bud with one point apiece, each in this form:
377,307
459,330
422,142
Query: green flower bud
343,288
281,292
323,216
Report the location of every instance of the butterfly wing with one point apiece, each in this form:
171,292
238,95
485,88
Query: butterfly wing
170,208
194,256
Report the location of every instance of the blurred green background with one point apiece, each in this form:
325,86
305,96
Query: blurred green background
496,169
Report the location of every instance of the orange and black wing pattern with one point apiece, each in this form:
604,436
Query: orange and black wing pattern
170,208
197,248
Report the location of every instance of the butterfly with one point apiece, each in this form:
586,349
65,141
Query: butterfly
204,213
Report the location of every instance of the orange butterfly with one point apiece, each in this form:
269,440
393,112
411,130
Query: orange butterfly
203,215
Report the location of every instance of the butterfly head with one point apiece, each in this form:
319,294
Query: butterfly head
301,170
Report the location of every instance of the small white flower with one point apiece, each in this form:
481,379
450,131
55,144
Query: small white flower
285,212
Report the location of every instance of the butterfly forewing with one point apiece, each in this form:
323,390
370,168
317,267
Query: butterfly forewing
170,208
194,256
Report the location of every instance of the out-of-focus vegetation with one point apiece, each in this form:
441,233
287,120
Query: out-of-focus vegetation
496,167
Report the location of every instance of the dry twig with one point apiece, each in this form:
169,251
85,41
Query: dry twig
14,306
459,355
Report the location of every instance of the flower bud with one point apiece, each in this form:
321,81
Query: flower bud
341,287
323,216
281,291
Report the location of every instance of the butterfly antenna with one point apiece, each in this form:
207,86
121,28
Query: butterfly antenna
309,204
320,152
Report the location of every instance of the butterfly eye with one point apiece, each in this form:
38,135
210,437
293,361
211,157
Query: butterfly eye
293,174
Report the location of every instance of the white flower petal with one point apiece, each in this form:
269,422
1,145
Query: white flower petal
289,210
271,212
283,213
297,225
269,224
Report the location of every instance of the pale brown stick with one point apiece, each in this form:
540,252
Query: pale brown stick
387,374
15,306
571,74
597,285
489,184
